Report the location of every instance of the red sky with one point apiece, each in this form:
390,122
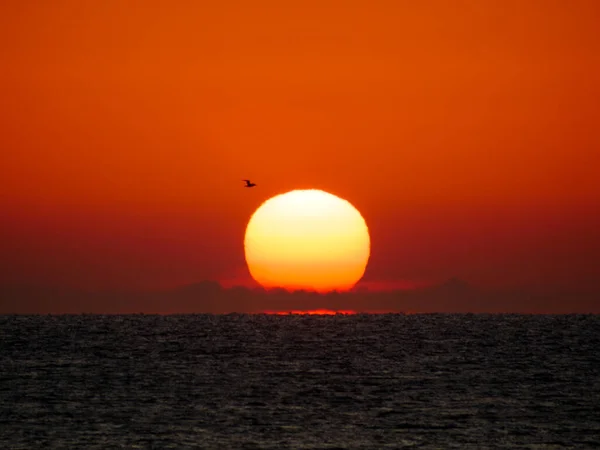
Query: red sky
466,132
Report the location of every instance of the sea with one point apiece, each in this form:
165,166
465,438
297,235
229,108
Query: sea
260,381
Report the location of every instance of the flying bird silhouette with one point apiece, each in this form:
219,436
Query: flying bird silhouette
249,184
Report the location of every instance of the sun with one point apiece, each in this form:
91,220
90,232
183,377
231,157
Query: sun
307,239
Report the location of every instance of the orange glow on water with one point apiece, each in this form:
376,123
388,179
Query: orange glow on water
312,312
333,312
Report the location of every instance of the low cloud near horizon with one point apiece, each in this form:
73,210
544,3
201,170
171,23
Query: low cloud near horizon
453,296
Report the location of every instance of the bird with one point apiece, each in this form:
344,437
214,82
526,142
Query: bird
249,184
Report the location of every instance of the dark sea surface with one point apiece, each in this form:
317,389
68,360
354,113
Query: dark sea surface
266,381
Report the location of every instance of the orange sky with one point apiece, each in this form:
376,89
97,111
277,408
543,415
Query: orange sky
466,132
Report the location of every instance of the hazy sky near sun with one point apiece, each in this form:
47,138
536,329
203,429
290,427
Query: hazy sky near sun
466,132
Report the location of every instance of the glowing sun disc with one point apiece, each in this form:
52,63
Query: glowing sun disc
307,239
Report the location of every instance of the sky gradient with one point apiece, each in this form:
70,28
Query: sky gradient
465,132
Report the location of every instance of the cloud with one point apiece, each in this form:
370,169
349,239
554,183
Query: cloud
453,296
